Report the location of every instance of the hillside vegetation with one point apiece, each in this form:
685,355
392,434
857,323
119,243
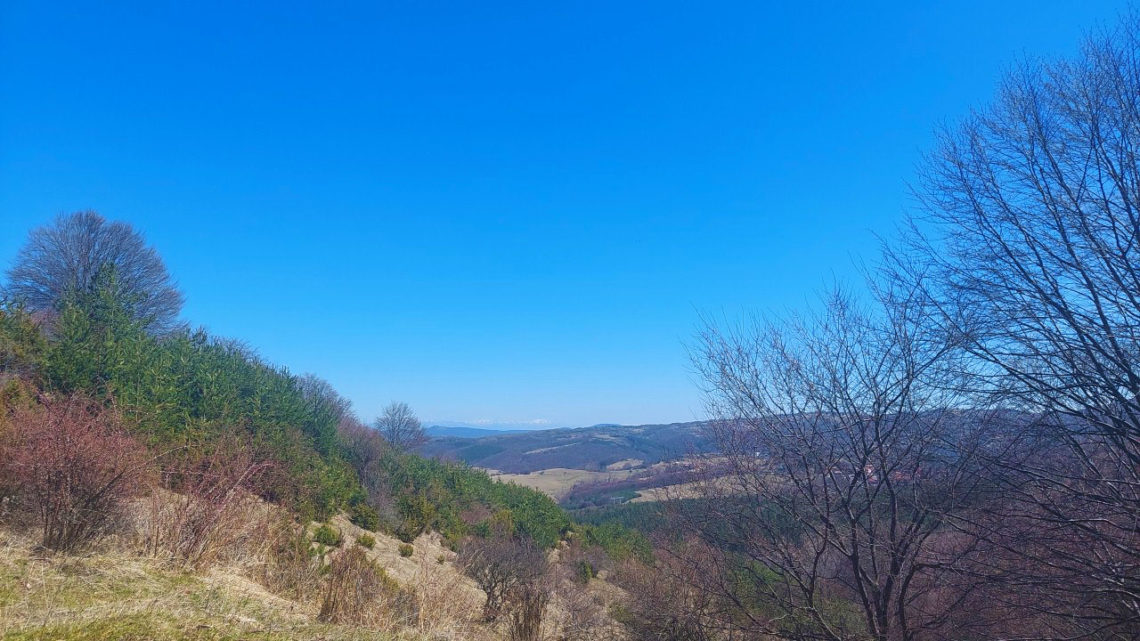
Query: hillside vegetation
118,591
159,482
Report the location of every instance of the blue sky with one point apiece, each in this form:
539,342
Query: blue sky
497,212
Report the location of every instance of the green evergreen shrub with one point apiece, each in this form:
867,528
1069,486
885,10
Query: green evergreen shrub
363,516
328,536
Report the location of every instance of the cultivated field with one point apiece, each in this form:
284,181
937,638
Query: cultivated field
557,482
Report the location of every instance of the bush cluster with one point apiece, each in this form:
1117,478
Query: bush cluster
72,468
327,536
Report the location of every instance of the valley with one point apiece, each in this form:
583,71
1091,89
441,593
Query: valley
587,467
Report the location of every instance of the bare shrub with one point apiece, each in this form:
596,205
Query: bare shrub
501,566
9,488
74,468
527,606
359,592
443,610
364,449
210,515
666,602
363,446
289,567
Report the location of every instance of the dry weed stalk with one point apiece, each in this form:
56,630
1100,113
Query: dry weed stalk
576,613
289,567
442,612
358,592
213,514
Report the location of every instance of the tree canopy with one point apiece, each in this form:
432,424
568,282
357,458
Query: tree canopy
80,253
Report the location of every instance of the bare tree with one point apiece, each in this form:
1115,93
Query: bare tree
400,427
74,253
363,449
669,602
507,570
361,445
846,460
323,398
1029,248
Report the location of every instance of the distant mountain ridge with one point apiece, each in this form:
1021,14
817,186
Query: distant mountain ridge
583,448
462,431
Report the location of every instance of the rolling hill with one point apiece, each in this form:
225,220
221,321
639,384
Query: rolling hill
597,448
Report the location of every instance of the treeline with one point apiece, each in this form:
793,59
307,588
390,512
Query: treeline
90,310
456,501
183,393
648,517
188,397
459,501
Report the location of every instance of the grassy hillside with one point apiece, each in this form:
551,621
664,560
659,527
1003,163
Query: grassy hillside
158,482
195,400
192,465
116,591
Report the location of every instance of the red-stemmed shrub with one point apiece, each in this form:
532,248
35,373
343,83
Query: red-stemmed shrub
212,509
73,468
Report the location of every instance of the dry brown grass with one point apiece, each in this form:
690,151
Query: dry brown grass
288,566
240,533
359,592
198,533
556,482
44,592
111,594
581,611
447,604
265,583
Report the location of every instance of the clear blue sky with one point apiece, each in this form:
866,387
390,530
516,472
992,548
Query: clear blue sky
493,211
